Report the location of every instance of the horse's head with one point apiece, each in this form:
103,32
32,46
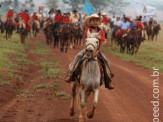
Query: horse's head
91,44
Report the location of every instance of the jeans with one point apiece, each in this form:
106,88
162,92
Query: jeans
2,23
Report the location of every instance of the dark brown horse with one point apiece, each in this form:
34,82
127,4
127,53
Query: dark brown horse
131,42
56,33
65,35
9,28
48,31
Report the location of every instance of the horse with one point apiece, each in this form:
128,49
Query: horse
56,31
9,28
150,32
64,37
157,29
48,31
22,31
75,29
139,38
114,37
35,28
89,80
131,41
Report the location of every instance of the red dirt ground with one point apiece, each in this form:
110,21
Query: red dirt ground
130,101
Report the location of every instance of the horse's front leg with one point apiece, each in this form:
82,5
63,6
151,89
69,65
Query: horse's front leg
73,94
66,48
82,116
95,101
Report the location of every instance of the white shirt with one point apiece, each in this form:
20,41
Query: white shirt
125,25
117,23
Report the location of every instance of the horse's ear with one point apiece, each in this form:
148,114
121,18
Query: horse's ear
88,33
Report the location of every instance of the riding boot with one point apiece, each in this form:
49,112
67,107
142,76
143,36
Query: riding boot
74,66
106,68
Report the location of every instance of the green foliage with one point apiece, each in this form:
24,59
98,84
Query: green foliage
11,75
20,79
52,3
42,86
75,4
49,68
23,61
41,48
10,48
56,86
62,95
5,83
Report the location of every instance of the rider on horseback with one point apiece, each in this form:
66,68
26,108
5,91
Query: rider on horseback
93,22
36,19
66,18
74,18
10,15
140,26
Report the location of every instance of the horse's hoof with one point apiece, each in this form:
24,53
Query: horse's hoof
72,113
90,115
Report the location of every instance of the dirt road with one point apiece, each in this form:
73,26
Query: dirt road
130,101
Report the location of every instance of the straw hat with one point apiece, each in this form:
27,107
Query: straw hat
87,20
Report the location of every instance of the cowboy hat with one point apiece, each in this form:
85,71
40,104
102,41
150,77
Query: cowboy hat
104,14
25,10
10,8
75,10
87,20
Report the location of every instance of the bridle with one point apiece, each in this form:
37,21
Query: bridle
94,55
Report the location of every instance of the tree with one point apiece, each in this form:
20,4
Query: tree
52,3
16,3
75,4
100,5
117,6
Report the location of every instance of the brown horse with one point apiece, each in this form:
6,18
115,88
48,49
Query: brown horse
157,29
48,31
23,31
65,34
75,29
131,42
35,28
153,30
139,38
9,28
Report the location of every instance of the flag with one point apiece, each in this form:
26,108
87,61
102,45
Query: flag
143,9
88,8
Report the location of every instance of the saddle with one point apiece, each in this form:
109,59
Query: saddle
103,69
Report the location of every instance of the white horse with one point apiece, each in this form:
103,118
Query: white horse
90,78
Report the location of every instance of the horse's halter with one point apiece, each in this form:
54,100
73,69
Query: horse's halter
93,52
